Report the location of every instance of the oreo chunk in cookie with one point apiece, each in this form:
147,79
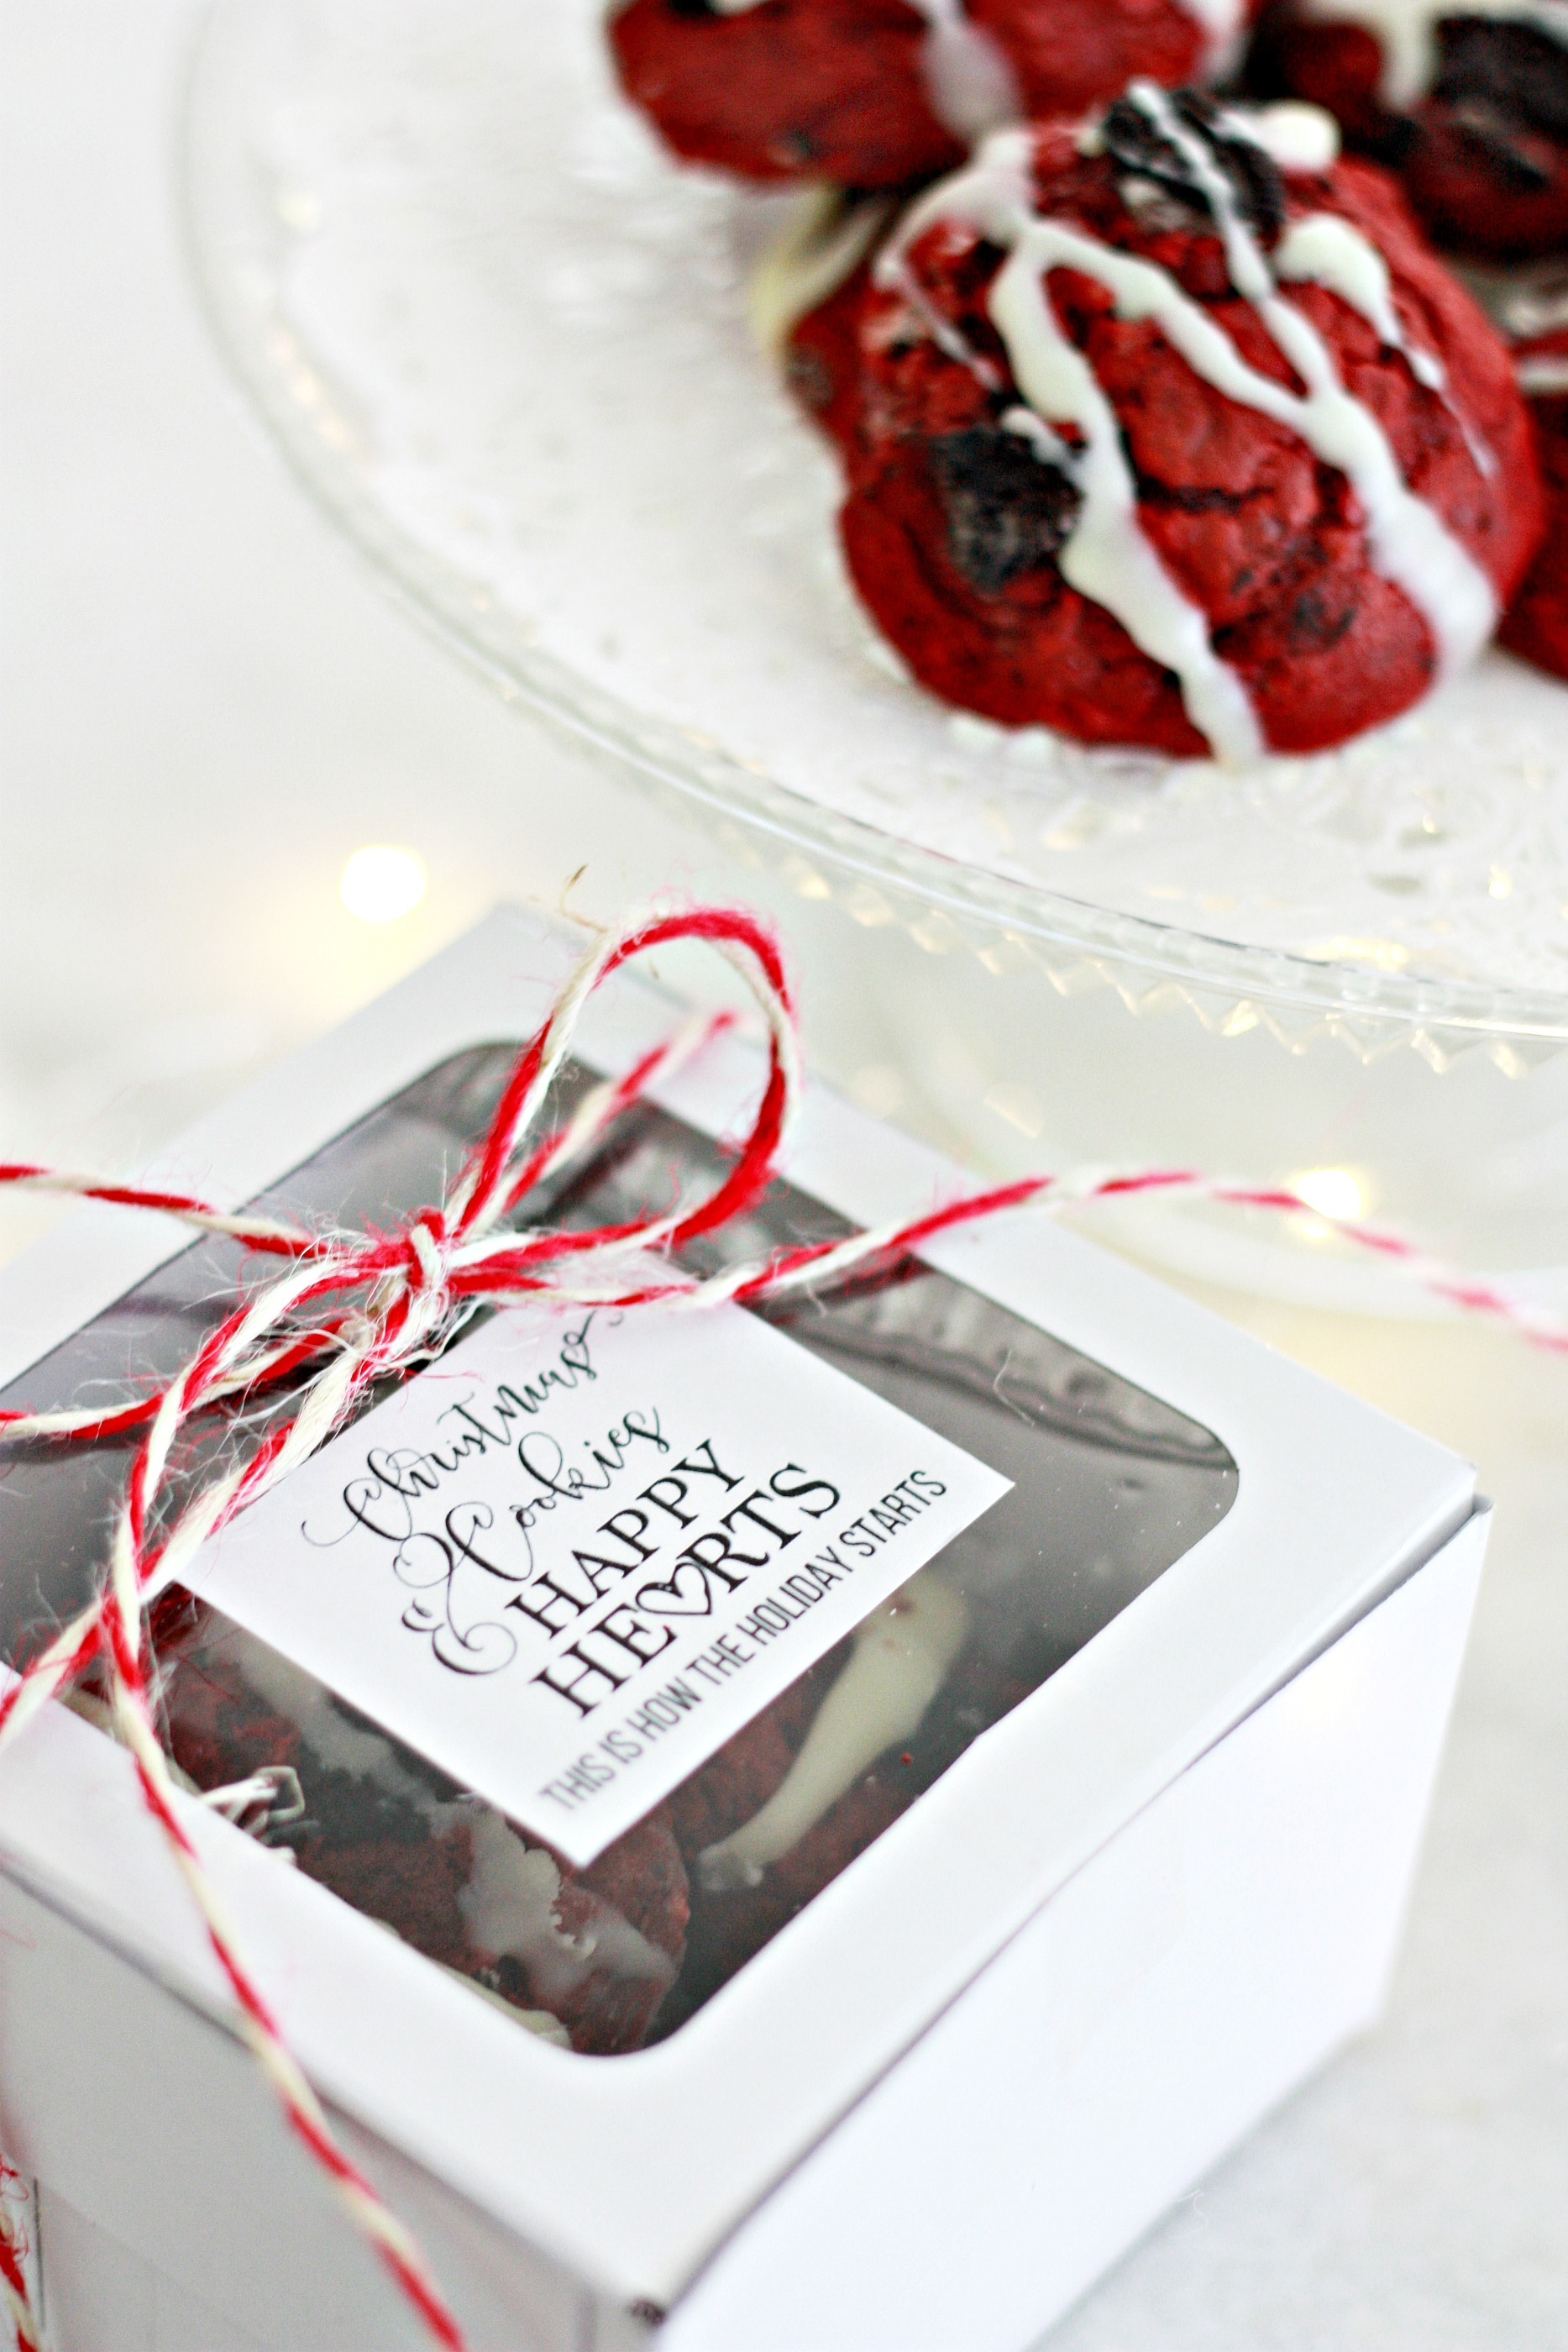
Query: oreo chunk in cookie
1008,506
1196,140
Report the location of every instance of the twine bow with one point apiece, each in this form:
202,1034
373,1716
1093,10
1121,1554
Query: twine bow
354,1310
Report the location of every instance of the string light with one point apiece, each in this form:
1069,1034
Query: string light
380,883
1333,1193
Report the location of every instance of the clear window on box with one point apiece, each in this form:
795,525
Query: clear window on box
1111,1485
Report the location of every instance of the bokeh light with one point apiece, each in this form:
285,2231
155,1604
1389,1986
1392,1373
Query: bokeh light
382,883
1333,1191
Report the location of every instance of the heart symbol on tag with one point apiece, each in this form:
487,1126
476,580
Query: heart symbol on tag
685,1595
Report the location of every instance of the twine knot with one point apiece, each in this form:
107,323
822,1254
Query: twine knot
425,1282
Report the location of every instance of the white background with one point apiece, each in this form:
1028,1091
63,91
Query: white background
204,707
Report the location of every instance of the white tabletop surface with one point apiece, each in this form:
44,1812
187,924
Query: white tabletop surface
204,706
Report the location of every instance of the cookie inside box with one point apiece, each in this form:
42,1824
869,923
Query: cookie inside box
1110,1486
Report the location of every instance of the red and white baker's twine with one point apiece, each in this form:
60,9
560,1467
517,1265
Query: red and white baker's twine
354,1308
14,2247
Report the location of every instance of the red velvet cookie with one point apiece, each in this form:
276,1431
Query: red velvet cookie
739,1921
1174,433
1472,109
1536,624
598,1950
807,293
821,360
807,304
626,1917
733,1916
878,93
737,1781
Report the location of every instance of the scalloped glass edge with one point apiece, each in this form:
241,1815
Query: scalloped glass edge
874,876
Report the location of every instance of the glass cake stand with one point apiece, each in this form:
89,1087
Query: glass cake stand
506,345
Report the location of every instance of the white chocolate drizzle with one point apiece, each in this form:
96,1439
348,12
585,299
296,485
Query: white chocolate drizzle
1223,24
1543,375
1406,32
820,247
1325,250
1525,302
1302,139
509,1908
1106,555
902,1655
968,79
1407,539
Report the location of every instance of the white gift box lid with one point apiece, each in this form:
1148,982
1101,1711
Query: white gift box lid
629,2171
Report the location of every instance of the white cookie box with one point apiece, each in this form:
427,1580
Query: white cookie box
1123,1925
